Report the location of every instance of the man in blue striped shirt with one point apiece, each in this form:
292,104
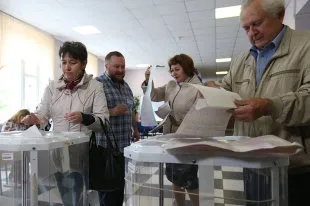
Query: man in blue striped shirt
120,103
263,56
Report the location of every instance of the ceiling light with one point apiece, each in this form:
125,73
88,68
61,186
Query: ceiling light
221,72
226,12
142,65
223,60
85,30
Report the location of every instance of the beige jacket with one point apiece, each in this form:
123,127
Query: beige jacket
285,82
87,97
180,98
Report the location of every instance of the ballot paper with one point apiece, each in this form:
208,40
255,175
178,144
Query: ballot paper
205,122
263,144
147,114
203,128
164,110
32,131
209,116
217,98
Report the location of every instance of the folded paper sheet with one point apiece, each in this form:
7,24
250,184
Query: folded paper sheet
164,110
214,103
203,128
147,114
209,116
32,131
262,144
217,98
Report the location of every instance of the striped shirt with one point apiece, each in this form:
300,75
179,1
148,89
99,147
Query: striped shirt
263,56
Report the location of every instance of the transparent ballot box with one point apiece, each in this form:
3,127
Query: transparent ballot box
51,169
155,177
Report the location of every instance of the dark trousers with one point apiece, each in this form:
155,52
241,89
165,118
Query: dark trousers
113,198
257,186
70,186
299,189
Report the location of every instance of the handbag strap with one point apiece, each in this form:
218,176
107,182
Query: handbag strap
106,132
93,139
108,128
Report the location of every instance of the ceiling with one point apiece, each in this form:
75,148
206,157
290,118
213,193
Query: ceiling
145,31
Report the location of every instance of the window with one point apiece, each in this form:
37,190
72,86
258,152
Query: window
27,58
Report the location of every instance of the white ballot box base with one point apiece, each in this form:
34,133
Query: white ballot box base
223,179
32,170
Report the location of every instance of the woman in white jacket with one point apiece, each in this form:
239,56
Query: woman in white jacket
74,102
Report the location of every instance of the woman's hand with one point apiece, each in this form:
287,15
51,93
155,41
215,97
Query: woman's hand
31,119
147,74
211,84
74,117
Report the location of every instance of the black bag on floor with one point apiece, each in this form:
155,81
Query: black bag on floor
106,165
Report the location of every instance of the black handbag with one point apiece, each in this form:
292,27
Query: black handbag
106,165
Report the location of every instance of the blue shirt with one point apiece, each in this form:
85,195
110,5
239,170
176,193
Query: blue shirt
263,56
122,124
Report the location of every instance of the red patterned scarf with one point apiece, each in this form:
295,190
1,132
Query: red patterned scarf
72,84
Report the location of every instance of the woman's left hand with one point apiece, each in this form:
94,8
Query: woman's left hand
74,117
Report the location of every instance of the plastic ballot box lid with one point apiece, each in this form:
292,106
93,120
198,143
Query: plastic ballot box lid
153,150
16,141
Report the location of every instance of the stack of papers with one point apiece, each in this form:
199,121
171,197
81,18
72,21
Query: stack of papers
203,128
263,144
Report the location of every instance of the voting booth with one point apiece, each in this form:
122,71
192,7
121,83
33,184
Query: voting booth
42,168
224,177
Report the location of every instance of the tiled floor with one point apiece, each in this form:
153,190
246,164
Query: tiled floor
228,183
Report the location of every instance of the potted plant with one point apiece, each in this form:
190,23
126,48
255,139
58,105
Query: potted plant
135,109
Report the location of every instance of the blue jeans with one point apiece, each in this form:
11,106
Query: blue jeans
113,198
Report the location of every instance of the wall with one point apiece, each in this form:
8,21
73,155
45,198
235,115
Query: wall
295,15
290,11
27,56
1,40
92,65
135,77
302,17
100,66
300,4
57,68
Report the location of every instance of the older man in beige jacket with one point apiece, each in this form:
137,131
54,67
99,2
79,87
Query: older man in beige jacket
273,78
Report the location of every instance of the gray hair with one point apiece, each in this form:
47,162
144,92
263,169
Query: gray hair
272,7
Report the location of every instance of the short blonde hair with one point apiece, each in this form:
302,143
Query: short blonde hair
22,112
